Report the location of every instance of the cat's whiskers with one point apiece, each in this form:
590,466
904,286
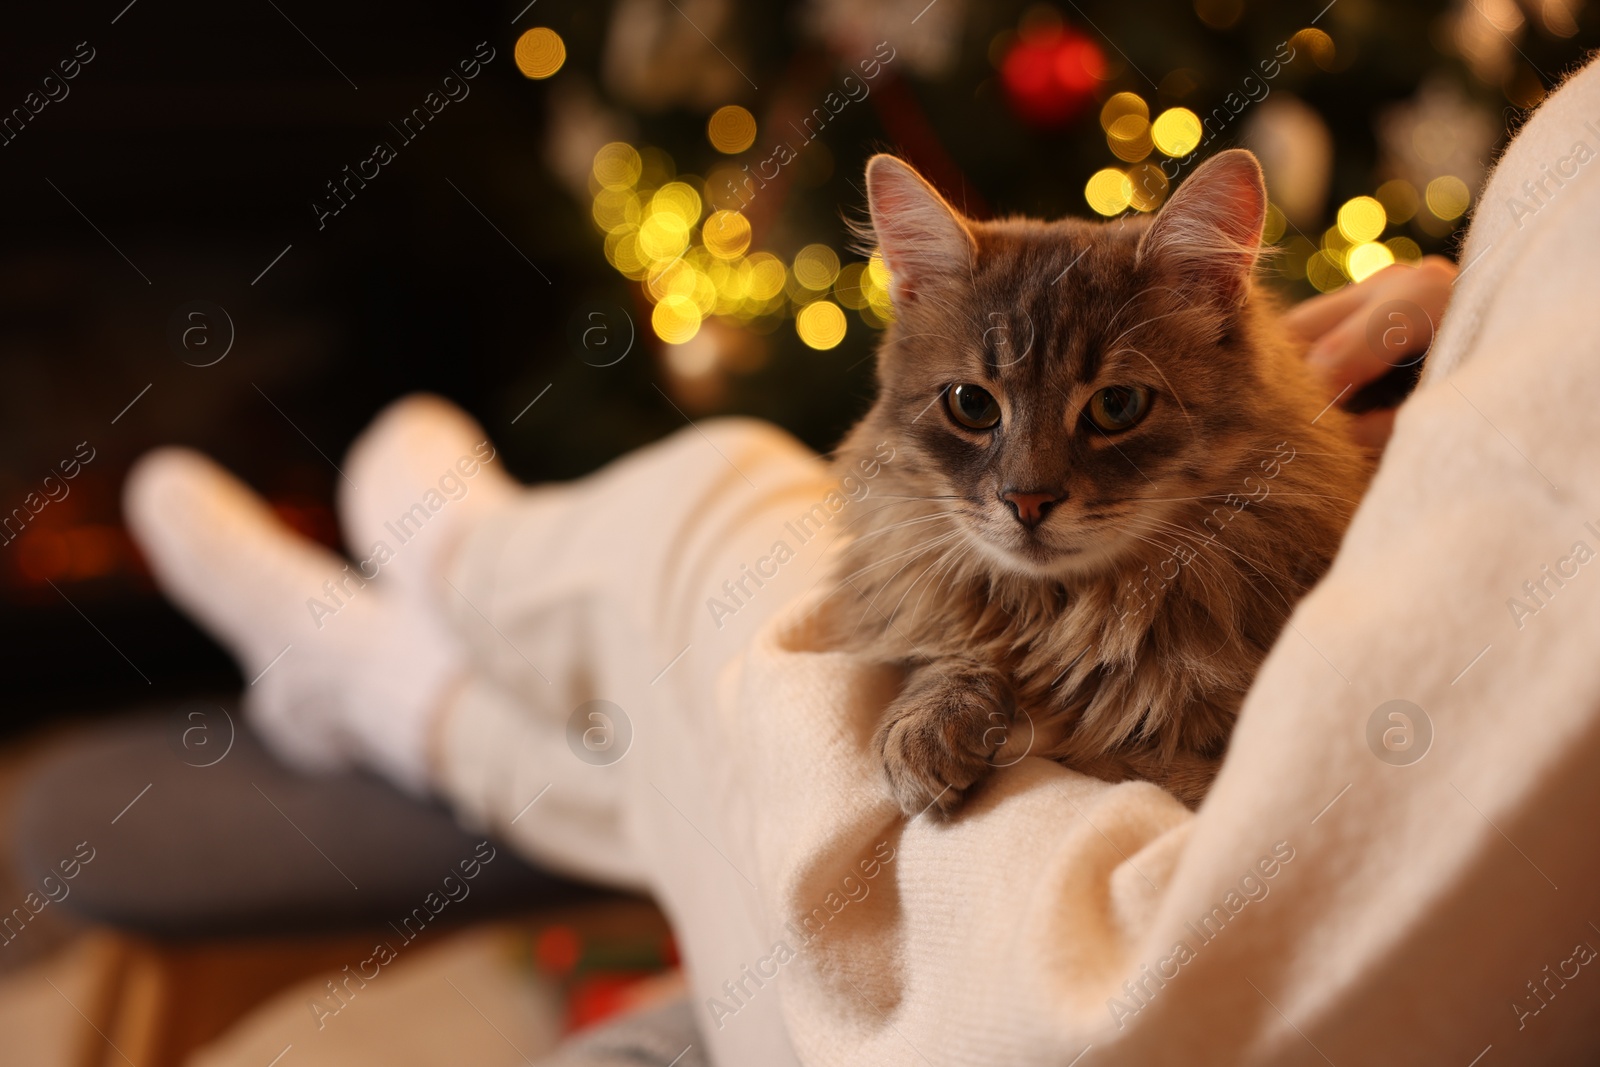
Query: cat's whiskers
872,601
880,531
1251,563
925,548
886,560
864,516
950,568
1209,573
927,572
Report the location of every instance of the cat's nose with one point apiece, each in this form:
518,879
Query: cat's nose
1030,508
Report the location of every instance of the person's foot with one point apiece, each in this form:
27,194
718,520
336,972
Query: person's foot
421,476
338,668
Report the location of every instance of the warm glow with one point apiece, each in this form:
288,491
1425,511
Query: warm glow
1405,249
1448,197
820,324
1399,200
726,234
1176,131
675,319
617,166
1324,272
1129,138
815,267
875,279
731,129
1318,43
1362,219
767,276
1109,192
848,286
1272,231
677,198
623,252
663,236
1147,186
1365,260
616,209
1121,105
540,52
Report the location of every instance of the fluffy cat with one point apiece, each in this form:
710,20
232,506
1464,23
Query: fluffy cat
1113,478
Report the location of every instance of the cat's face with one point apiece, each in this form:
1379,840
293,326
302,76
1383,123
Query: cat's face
1070,390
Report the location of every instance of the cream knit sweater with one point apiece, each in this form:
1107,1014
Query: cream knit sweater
1325,905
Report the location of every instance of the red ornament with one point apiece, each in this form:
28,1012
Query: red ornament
1050,75
558,949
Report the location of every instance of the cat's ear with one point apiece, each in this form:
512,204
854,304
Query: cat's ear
1209,233
923,238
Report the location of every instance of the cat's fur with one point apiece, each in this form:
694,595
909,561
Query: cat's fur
1126,627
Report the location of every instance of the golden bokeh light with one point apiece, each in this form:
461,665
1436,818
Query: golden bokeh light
731,129
677,198
767,275
820,324
1176,131
726,234
1367,259
1120,106
1109,192
1399,200
1336,246
692,273
1405,249
875,281
816,266
1362,219
847,287
539,52
1147,186
663,235
878,272
622,251
1324,273
1276,223
1318,43
1448,197
1129,138
617,166
675,319
616,209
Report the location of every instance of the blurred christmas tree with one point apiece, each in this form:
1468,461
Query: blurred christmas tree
718,148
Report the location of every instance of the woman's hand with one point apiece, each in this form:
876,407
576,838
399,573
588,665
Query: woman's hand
1364,330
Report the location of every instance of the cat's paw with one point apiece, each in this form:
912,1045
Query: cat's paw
940,736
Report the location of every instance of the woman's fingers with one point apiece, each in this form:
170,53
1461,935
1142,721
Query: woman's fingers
1367,346
1363,331
1310,319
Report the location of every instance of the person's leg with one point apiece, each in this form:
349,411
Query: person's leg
635,586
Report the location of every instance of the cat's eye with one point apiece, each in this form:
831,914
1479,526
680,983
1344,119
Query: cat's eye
1118,407
973,407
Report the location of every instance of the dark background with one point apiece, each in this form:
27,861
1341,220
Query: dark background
188,153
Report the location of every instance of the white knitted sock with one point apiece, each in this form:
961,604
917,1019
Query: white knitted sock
338,669
423,474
